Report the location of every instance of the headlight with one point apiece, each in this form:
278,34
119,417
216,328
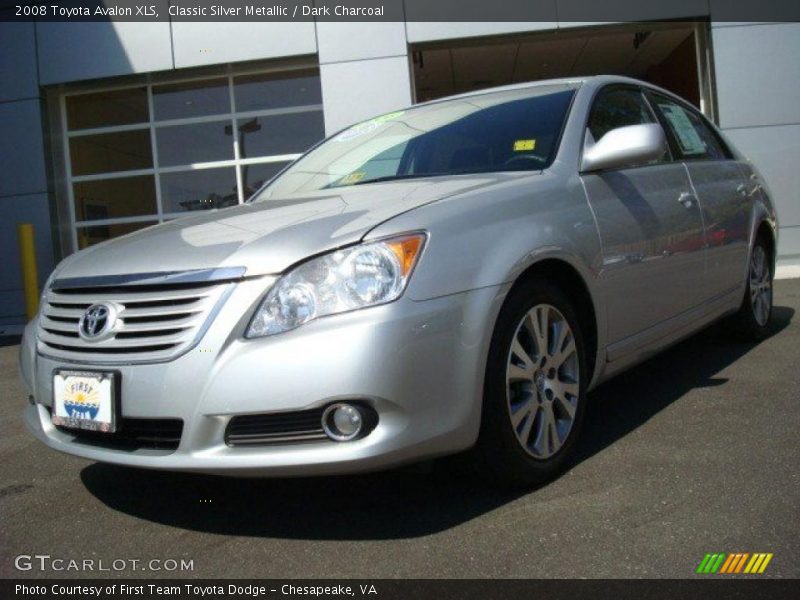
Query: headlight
356,277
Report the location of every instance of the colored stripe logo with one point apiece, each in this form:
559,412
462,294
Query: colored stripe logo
733,563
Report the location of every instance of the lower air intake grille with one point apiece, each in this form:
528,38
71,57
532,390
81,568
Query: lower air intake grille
275,428
132,434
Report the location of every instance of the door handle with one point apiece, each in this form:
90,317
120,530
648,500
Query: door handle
687,199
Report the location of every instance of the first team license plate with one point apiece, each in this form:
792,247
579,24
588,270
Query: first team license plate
84,400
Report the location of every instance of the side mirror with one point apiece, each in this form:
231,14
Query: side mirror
626,147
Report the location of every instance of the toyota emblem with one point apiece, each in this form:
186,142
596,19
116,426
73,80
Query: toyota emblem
97,322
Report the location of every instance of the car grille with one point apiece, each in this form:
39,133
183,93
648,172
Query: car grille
159,316
275,428
131,434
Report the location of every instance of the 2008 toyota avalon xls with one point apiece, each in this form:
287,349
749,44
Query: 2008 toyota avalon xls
453,276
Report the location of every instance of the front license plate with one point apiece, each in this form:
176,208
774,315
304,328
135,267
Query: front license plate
84,400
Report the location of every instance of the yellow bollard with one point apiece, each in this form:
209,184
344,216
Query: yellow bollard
30,276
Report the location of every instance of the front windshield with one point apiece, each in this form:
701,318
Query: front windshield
515,130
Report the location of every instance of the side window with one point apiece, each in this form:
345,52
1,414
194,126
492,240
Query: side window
694,139
618,107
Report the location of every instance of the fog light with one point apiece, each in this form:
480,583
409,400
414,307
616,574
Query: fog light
342,422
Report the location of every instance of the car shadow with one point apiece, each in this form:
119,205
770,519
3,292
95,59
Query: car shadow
404,503
662,380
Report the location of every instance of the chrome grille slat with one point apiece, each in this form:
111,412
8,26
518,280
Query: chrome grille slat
154,323
64,319
110,353
70,305
74,313
159,333
161,324
156,318
51,323
177,302
61,332
114,342
158,312
128,296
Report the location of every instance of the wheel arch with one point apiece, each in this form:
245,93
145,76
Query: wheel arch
569,279
766,231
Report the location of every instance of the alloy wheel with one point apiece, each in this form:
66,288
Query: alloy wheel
760,285
542,381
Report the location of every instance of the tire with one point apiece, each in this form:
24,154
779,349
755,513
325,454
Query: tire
752,321
519,377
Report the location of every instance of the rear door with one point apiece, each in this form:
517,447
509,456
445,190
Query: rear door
649,223
723,191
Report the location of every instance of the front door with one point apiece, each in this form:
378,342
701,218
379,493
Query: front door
650,227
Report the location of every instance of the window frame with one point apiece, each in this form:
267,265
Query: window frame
237,162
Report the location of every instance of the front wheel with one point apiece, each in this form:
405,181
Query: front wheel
535,387
752,320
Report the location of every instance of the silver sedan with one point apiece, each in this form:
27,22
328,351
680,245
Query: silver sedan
451,277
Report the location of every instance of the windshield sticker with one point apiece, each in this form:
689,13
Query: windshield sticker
524,145
389,116
352,178
368,126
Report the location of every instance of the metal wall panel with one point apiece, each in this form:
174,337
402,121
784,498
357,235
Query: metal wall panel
17,61
776,153
197,44
79,51
355,41
354,91
758,74
21,148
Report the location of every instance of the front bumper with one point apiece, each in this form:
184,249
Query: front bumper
420,365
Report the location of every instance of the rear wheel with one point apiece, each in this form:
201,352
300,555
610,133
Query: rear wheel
534,393
752,320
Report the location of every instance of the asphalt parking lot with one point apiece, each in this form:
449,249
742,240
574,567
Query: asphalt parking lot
695,451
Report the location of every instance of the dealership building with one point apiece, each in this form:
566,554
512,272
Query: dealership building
109,127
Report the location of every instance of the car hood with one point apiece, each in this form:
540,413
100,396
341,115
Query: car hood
266,237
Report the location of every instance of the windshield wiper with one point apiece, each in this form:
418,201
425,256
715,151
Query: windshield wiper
397,177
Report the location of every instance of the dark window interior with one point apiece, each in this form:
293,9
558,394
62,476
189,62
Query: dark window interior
517,135
618,107
664,54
